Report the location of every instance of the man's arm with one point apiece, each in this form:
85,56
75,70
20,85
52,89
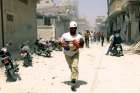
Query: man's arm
62,41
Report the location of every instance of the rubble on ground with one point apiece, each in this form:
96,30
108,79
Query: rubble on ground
135,47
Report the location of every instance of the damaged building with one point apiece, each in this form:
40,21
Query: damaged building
124,16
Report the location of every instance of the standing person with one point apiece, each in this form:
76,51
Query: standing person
102,39
86,35
94,36
91,36
71,42
98,36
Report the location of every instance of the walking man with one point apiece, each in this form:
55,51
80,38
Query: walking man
71,42
87,35
102,39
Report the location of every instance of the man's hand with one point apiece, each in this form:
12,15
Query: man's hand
62,43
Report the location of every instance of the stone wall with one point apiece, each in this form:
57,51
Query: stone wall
46,32
19,22
0,29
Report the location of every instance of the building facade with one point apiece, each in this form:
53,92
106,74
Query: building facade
83,25
124,15
53,19
100,24
19,22
0,25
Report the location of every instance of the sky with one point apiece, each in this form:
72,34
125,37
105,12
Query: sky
92,8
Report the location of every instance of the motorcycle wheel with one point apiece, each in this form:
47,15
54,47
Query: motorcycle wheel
48,54
38,51
11,75
27,62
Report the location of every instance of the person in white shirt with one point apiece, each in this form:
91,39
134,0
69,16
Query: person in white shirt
111,40
71,42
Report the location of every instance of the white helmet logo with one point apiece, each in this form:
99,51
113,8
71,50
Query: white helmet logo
73,24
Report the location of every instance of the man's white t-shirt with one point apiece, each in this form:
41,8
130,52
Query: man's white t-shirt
111,38
68,38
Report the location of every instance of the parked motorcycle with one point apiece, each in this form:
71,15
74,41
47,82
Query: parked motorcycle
11,69
25,53
43,49
56,46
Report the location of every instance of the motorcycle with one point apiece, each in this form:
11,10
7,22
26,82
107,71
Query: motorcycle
57,46
48,50
11,69
24,52
41,49
117,50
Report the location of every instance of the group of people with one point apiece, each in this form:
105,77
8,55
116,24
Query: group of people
72,41
90,36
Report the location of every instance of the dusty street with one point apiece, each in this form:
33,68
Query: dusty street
98,73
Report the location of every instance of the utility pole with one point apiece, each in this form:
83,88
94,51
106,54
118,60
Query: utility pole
2,22
108,7
108,22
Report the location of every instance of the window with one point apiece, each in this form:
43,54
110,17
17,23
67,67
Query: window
39,17
123,17
24,1
10,17
47,21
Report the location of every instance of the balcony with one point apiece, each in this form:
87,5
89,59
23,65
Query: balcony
115,8
127,2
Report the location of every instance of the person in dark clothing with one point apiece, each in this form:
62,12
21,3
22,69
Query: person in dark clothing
86,35
114,39
118,40
102,39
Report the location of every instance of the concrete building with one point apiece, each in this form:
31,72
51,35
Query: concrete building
45,20
124,15
100,24
1,37
83,24
53,19
19,22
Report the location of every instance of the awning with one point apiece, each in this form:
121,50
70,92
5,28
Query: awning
115,14
128,2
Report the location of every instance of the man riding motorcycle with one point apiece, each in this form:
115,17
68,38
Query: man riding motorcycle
115,47
118,50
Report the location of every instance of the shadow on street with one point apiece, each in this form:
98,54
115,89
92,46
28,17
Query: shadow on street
78,83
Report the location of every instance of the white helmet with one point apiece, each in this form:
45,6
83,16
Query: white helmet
73,24
4,49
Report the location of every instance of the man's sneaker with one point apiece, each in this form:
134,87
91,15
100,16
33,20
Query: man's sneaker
73,88
73,81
